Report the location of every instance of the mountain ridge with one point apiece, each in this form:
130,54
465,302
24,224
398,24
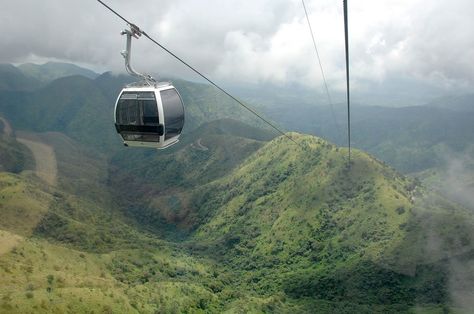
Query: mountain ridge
51,71
357,221
229,219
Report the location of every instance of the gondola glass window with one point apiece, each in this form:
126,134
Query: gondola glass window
173,112
138,111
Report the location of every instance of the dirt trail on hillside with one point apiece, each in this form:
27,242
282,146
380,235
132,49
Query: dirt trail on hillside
45,158
7,129
199,145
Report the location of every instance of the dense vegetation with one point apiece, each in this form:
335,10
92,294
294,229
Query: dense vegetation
231,219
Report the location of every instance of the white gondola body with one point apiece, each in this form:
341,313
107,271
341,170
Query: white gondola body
149,116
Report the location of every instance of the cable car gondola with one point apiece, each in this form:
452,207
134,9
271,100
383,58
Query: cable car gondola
147,113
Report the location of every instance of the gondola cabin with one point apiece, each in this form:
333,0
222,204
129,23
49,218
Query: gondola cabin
149,116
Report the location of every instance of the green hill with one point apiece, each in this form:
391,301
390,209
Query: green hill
204,103
82,108
12,79
69,248
63,253
281,228
298,220
156,185
14,156
230,219
411,139
51,71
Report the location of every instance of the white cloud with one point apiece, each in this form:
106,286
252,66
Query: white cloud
253,41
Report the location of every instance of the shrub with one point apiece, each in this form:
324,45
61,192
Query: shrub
50,279
400,210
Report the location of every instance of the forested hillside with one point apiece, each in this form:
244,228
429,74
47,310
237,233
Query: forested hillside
231,219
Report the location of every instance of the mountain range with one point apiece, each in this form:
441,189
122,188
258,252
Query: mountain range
231,219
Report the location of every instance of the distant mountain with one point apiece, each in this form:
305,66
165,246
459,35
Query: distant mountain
408,138
53,70
457,103
388,92
12,79
73,105
82,108
204,103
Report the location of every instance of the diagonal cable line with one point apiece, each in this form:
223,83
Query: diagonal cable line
136,28
322,71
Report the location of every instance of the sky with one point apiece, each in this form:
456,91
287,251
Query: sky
254,41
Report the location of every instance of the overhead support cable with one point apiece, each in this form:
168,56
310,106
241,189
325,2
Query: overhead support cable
137,30
322,71
346,37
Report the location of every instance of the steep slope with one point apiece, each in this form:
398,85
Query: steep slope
299,220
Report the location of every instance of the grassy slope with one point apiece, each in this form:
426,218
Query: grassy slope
76,254
40,277
299,221
67,249
76,235
266,247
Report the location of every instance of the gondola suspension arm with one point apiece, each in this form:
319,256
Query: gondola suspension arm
127,53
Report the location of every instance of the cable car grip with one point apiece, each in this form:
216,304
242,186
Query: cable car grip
135,32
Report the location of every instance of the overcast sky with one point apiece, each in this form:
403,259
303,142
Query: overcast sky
253,41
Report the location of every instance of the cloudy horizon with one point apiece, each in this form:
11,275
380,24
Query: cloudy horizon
253,42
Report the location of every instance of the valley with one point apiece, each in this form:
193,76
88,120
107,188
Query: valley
231,219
